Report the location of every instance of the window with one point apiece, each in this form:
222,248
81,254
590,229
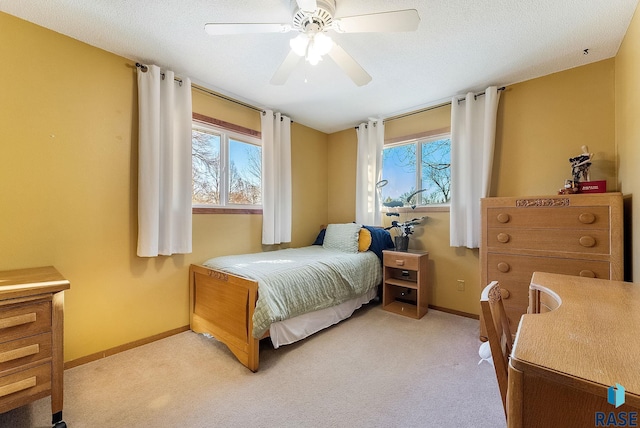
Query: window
406,174
227,168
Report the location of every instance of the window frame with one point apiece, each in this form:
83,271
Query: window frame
418,140
226,134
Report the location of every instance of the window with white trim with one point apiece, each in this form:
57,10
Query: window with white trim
420,165
227,168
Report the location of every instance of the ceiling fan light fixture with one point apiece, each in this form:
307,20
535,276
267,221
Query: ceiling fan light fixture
299,44
312,46
322,44
313,59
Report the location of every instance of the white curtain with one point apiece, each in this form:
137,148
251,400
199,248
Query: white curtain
369,172
276,178
164,163
473,131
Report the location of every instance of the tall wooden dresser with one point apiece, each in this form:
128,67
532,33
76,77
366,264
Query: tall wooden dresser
568,234
31,338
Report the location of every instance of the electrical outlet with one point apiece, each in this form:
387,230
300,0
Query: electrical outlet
461,285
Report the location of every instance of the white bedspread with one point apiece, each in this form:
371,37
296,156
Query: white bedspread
300,280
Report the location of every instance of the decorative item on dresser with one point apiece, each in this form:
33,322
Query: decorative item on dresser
31,333
569,234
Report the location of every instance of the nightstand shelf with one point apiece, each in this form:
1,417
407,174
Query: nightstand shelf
404,288
402,283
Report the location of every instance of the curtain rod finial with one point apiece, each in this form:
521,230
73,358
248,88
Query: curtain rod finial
142,67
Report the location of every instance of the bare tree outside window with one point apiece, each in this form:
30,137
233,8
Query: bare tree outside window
244,173
436,171
242,176
401,169
205,151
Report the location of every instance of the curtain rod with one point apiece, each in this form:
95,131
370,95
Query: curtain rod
434,107
144,69
215,94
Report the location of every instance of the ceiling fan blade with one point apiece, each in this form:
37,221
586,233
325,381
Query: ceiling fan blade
216,29
284,71
307,5
349,65
383,22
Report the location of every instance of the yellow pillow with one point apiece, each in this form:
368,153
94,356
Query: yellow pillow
364,239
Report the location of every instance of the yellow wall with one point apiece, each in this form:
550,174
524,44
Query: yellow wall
68,168
309,187
628,139
541,124
341,158
433,119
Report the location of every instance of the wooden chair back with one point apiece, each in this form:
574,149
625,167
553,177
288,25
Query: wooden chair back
499,334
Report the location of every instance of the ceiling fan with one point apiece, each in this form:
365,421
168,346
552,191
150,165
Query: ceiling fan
312,19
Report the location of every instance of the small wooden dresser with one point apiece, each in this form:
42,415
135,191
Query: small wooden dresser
567,234
31,338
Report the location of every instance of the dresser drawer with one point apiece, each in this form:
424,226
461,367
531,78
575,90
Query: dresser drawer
549,217
24,351
563,240
515,268
25,320
406,261
23,387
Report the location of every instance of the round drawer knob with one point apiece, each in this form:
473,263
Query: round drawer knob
586,218
504,293
503,237
587,241
504,267
587,273
503,218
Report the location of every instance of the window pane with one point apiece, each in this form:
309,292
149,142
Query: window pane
245,173
436,172
206,168
399,169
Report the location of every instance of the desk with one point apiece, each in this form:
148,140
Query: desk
565,359
31,338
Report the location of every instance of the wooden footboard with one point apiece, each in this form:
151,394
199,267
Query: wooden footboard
222,305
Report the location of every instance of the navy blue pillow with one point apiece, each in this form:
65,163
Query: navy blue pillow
320,239
380,240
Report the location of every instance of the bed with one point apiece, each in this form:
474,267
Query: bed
288,294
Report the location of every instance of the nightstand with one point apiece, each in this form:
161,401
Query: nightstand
404,287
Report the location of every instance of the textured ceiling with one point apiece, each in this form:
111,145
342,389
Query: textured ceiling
460,45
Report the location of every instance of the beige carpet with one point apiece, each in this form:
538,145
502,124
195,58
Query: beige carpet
376,369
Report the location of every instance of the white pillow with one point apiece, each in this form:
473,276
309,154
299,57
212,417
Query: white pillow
342,237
